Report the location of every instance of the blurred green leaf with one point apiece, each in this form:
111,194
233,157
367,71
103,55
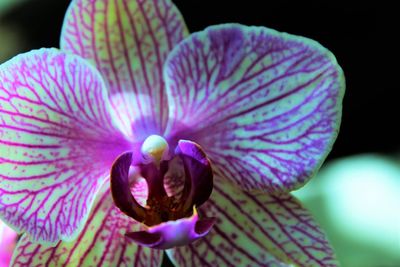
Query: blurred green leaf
357,202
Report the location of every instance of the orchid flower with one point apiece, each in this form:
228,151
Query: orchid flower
8,240
135,137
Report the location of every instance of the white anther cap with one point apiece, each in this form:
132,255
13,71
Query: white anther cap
154,149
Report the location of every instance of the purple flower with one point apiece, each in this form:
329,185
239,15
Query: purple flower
136,136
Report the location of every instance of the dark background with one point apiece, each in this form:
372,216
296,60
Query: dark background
361,36
354,33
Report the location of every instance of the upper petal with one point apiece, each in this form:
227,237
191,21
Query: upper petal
57,143
128,41
101,243
256,229
265,105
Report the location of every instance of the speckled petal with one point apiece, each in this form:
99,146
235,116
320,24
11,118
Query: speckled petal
102,242
128,41
265,106
57,143
256,229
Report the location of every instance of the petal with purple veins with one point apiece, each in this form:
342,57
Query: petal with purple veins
256,229
101,243
128,41
57,143
265,106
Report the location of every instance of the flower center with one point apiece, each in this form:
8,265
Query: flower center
161,211
154,149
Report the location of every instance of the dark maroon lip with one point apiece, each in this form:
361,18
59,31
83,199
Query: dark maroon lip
159,206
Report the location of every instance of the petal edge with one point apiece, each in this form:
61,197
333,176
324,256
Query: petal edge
268,104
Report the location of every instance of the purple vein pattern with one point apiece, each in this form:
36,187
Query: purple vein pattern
57,143
128,41
102,243
265,106
256,229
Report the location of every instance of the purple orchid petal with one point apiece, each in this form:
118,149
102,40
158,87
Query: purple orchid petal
264,105
57,143
256,229
101,243
128,41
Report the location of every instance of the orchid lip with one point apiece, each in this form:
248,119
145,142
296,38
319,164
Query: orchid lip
162,213
171,234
